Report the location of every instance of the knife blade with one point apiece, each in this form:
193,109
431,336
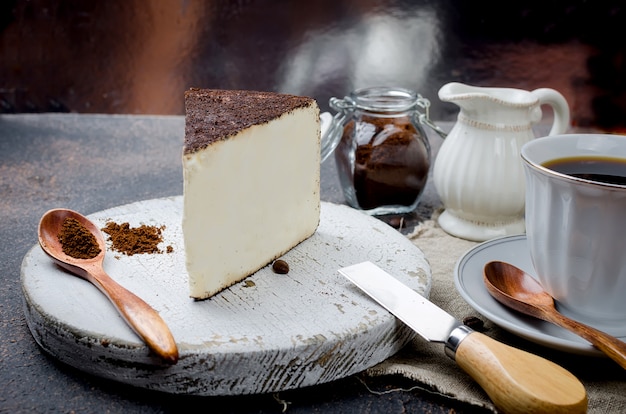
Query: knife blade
515,380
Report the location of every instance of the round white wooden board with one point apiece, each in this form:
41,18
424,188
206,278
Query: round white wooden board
268,333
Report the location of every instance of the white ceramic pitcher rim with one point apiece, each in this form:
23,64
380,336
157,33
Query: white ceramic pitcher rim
540,168
457,91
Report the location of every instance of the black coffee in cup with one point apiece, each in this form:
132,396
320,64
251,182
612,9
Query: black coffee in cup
601,169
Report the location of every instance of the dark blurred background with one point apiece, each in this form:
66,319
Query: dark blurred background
138,57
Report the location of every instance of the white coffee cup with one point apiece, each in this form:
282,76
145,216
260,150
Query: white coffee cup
576,229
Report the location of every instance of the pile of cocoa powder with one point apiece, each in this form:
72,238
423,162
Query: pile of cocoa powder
135,240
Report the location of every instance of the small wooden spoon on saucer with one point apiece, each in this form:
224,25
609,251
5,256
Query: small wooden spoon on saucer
142,318
518,290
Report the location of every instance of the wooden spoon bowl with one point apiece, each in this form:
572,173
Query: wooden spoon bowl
518,290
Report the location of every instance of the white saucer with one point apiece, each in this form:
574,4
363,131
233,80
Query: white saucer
468,277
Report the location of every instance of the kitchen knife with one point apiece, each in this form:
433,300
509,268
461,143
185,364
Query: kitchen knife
515,380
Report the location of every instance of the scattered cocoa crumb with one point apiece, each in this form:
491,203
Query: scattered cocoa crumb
77,241
281,267
474,323
135,240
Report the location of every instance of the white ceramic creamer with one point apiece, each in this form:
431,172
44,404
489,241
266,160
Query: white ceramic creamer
478,172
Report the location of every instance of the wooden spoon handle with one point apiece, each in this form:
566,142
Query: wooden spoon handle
517,381
613,347
140,316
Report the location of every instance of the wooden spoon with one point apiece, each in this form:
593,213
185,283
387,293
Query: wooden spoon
516,289
142,318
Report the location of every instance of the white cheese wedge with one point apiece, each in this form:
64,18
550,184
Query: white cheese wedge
251,167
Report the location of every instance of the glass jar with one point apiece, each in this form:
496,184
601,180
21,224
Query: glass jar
382,153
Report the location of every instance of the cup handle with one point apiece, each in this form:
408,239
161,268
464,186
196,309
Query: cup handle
559,104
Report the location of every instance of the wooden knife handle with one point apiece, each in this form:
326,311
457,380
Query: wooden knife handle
518,381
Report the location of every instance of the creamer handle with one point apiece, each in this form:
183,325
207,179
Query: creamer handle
559,104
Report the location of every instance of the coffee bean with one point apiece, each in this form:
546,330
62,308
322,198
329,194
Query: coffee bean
281,267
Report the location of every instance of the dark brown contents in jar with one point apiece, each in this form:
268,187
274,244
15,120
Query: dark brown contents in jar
281,267
391,161
135,240
77,241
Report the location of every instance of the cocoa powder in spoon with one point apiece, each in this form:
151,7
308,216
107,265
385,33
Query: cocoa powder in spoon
77,241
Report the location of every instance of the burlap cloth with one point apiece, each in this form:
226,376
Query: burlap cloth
427,364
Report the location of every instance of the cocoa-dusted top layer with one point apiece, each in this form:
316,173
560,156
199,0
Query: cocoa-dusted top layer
212,115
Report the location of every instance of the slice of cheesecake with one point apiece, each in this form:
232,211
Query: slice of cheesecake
251,165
